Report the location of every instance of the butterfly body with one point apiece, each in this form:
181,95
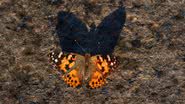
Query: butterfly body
86,57
83,70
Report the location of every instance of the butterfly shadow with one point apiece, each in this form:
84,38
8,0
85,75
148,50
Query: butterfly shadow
75,37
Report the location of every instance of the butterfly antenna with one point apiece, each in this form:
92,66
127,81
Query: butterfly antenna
80,46
99,47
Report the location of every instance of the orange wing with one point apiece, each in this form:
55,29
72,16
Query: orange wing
65,63
72,78
103,66
97,80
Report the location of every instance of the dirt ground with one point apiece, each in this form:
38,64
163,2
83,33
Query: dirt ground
151,51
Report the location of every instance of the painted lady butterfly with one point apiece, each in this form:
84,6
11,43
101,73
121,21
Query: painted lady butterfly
86,55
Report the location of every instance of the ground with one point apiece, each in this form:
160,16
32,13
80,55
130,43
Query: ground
151,50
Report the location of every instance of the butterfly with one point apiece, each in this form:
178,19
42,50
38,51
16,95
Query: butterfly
86,57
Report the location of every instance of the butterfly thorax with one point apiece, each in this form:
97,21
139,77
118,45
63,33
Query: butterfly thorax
87,58
86,69
82,64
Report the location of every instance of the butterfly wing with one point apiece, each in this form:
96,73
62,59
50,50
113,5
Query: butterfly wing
97,80
69,30
107,33
72,78
68,65
101,67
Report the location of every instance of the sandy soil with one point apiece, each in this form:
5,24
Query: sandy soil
151,51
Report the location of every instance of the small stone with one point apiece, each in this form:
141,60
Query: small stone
55,2
136,43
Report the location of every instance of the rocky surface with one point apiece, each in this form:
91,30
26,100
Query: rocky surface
151,51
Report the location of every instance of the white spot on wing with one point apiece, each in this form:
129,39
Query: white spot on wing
111,63
56,60
60,54
108,57
53,58
101,59
52,53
